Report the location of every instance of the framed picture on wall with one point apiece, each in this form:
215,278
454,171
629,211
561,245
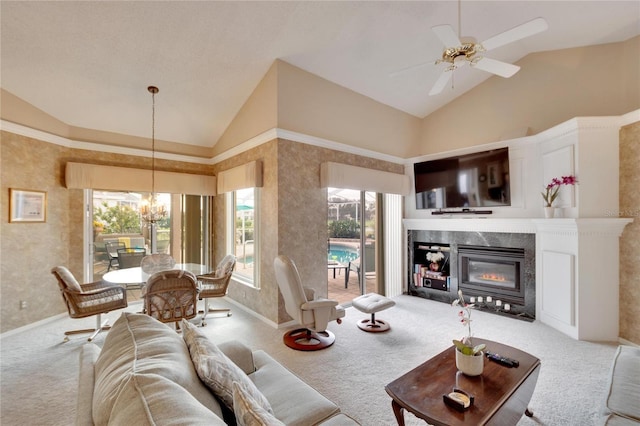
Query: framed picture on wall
27,206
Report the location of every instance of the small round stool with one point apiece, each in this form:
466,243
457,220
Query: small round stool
371,303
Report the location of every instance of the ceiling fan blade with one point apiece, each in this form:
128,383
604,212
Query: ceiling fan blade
500,68
410,68
447,35
517,33
441,82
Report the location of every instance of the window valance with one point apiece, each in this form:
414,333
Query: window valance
337,175
248,175
113,178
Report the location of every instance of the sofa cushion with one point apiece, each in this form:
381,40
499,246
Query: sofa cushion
248,411
150,399
294,402
624,386
140,344
89,353
216,370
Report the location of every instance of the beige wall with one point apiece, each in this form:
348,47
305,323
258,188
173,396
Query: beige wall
292,99
550,88
15,110
630,240
258,114
312,105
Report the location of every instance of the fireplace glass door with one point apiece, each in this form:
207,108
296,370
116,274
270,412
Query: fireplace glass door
492,271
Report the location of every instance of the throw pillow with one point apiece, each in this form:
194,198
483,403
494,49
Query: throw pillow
249,412
216,370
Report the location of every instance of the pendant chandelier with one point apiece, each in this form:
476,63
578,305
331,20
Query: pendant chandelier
151,211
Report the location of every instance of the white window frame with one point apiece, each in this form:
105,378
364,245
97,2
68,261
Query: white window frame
230,216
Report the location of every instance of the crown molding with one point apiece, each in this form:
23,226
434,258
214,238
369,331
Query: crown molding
269,135
563,129
94,146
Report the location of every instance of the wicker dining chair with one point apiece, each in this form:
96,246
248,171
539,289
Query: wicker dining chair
85,300
171,296
215,284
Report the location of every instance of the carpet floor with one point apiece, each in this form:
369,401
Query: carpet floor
38,374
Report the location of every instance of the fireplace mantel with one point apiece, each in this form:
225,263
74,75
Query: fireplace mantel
472,224
604,226
577,268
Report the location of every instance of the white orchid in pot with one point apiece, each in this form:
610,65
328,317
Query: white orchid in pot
469,357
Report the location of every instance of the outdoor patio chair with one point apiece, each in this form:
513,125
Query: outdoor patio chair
370,262
130,257
85,300
112,251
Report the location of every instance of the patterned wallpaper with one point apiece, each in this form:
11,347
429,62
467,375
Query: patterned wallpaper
630,240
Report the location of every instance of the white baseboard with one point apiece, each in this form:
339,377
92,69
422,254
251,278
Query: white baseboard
33,325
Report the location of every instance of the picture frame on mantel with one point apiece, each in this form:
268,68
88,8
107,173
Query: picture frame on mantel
27,206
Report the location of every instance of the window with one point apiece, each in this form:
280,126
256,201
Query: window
116,216
243,234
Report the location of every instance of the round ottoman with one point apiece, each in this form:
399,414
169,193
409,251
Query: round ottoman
371,303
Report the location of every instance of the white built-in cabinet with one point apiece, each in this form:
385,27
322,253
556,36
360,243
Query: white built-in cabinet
577,252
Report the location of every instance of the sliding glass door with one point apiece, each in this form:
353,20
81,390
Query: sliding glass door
351,249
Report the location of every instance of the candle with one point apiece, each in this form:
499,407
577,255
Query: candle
498,302
472,300
480,299
489,299
507,307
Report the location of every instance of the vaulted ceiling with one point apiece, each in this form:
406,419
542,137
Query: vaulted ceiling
88,64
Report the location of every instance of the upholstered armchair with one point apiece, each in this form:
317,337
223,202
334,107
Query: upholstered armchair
311,312
171,296
215,284
85,300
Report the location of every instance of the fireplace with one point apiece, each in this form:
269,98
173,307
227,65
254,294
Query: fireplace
492,271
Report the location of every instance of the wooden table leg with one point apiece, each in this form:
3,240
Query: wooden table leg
398,411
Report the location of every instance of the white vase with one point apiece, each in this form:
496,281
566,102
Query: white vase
549,211
471,365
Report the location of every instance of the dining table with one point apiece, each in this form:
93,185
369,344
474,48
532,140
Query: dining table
137,278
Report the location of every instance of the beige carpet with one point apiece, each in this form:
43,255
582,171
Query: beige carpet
39,372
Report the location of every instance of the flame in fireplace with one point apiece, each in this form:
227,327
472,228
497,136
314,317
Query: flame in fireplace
494,277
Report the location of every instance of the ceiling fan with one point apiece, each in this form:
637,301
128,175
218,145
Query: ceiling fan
459,52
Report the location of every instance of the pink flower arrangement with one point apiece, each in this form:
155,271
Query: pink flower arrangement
551,191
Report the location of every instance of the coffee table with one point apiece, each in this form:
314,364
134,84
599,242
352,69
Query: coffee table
501,394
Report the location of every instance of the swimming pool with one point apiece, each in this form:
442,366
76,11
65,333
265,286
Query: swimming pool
343,253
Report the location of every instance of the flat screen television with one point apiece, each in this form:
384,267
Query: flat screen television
479,179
